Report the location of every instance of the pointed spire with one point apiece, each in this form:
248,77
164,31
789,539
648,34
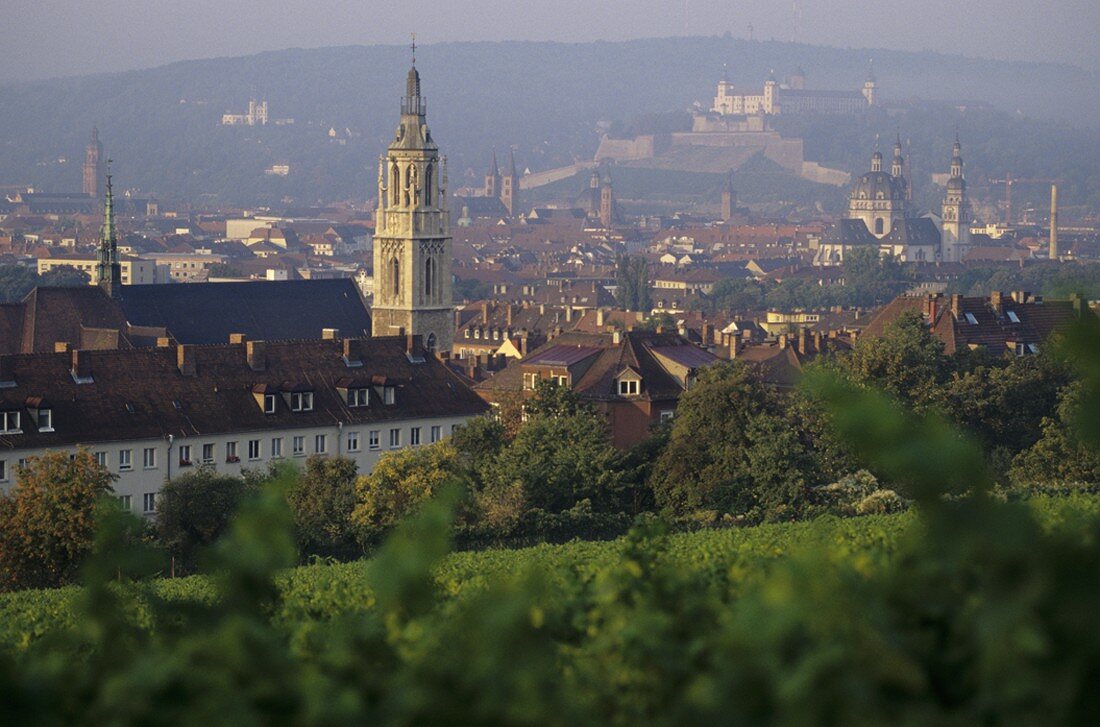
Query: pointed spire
512,162
108,267
494,170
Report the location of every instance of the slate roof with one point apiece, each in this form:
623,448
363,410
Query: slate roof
849,232
913,231
219,399
270,310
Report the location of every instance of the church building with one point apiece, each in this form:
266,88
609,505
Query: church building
412,242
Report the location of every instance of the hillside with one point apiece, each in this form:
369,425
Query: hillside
162,128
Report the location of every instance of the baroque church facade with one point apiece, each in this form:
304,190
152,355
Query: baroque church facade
412,243
880,214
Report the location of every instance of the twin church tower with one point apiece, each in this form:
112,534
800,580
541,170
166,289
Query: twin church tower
412,241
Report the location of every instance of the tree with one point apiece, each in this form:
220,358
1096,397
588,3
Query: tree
871,279
906,361
195,509
559,460
15,282
47,521
400,482
63,276
632,281
1060,457
705,464
322,500
554,400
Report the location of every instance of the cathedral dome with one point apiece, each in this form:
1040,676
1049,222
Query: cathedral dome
878,185
956,184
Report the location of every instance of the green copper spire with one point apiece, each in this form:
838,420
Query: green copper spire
108,267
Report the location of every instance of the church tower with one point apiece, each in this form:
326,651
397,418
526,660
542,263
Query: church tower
607,201
93,165
509,186
729,200
492,179
955,240
870,85
412,243
108,268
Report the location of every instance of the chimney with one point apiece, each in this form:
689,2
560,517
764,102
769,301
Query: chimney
782,341
164,342
1078,302
616,336
956,304
568,314
185,359
659,329
330,334
995,301
237,338
61,347
485,311
735,346
82,364
542,309
817,342
414,344
802,341
708,334
351,352
508,315
600,317
256,355
523,343
1020,296
1053,252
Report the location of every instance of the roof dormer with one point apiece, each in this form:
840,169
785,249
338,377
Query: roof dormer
628,382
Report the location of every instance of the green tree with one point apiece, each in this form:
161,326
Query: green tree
705,464
632,281
554,400
322,499
871,279
195,509
63,276
15,282
47,521
1060,457
400,482
906,361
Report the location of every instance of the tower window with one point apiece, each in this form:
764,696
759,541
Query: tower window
429,270
428,185
878,226
395,283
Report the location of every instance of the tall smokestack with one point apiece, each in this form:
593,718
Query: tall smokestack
1053,222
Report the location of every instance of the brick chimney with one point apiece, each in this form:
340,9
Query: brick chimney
956,304
413,344
60,346
351,350
995,301
237,338
485,311
508,315
734,345
330,334
164,342
185,359
568,314
708,334
802,341
255,352
600,317
616,336
82,364
782,341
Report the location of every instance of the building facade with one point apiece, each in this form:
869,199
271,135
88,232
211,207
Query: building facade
412,244
150,415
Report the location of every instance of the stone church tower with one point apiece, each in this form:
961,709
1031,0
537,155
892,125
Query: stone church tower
93,165
955,212
412,242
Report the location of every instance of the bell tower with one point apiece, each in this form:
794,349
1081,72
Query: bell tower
412,243
955,240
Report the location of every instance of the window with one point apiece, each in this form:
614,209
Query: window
101,459
1012,316
45,420
414,436
299,445
149,458
372,439
395,438
253,449
437,433
562,380
276,447
124,460
269,403
124,502
185,455
231,452
358,397
149,502
208,454
353,441
22,464
301,401
529,381
320,443
878,226
666,416
3,470
628,387
971,319
10,422
387,395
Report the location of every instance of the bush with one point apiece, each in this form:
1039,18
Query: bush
322,500
196,509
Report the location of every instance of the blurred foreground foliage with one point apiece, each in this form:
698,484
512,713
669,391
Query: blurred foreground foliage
968,609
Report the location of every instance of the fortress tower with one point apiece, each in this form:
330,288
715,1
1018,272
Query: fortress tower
93,165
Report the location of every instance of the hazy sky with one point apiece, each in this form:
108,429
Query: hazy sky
40,38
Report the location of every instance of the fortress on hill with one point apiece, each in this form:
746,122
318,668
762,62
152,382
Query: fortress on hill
736,128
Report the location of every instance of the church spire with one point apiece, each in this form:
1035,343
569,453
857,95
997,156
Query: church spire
108,267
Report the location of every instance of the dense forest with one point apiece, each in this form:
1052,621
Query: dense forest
161,126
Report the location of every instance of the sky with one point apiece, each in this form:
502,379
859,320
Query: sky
46,38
